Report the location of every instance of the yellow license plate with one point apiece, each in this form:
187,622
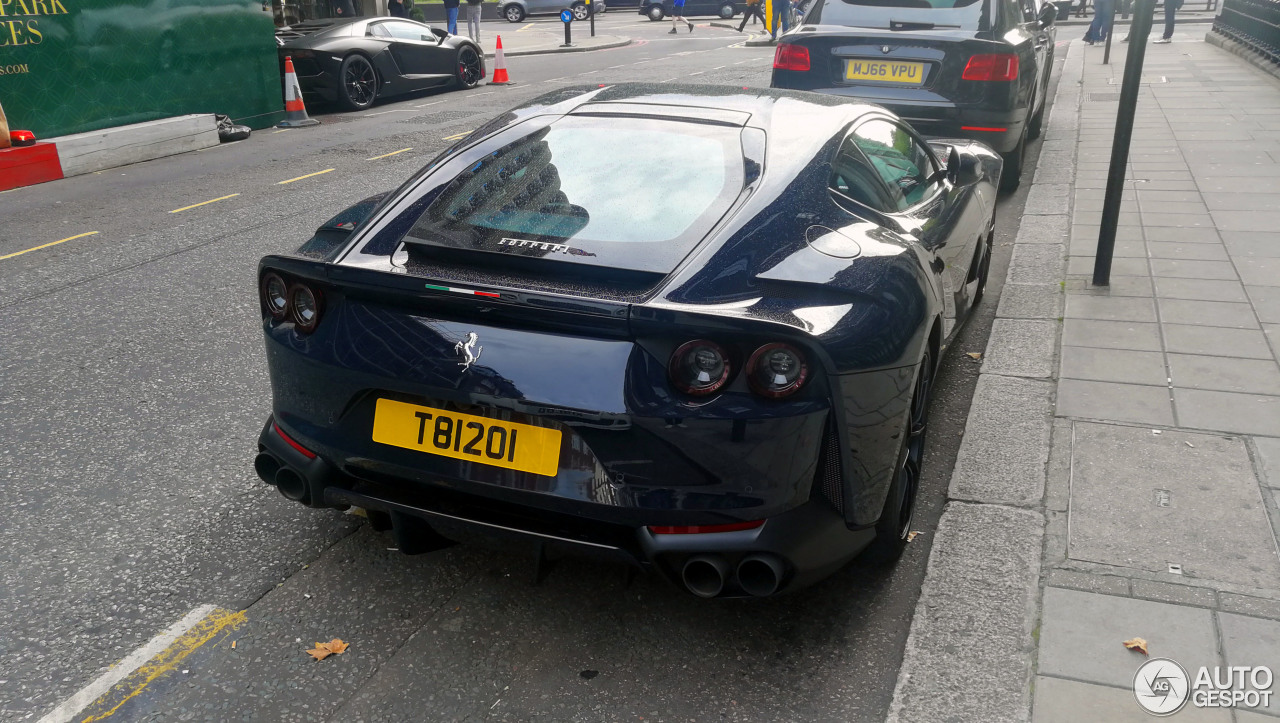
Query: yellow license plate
495,442
884,71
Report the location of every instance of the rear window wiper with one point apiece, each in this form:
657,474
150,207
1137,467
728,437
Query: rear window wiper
917,25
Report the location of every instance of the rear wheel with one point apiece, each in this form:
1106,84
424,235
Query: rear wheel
468,67
580,11
655,13
984,267
1011,176
513,13
726,11
359,83
899,511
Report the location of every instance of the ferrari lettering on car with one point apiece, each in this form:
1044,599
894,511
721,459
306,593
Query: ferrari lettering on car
652,325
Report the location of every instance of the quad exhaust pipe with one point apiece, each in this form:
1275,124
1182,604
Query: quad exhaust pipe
704,575
291,484
760,575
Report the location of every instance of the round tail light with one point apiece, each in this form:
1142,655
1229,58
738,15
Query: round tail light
699,367
777,370
305,305
275,295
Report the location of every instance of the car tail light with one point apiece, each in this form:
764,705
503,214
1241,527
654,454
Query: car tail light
304,307
777,370
1000,66
702,529
275,295
699,367
791,57
292,443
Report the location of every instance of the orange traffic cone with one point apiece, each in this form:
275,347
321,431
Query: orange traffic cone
499,66
295,112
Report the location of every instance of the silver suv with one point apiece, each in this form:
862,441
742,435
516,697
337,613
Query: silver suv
516,10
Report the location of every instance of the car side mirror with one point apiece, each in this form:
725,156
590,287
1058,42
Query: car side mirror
962,170
1048,15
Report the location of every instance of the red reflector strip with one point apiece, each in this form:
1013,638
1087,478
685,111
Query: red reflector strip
469,292
700,529
303,450
980,128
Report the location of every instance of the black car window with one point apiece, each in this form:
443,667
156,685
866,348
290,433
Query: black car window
629,193
902,162
853,177
962,14
407,31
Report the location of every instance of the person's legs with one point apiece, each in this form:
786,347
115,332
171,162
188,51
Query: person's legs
1170,7
473,21
1105,10
453,20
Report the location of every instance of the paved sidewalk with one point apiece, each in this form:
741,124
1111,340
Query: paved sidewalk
542,39
1120,472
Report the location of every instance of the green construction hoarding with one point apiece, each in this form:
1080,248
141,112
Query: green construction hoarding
70,66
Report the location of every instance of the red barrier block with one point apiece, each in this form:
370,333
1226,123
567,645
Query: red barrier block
29,166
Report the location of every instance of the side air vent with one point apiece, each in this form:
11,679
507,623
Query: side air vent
830,480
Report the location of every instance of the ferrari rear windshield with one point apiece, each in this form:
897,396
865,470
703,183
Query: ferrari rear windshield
905,14
628,193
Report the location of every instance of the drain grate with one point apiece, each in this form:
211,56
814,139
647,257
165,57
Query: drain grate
447,116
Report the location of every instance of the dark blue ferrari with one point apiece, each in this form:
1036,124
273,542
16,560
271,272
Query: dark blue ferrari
689,328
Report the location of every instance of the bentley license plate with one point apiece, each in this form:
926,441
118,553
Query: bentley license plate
495,442
885,71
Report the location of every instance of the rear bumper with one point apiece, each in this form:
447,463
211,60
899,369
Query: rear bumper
807,542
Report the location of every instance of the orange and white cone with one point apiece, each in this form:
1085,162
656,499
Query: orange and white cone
499,66
295,112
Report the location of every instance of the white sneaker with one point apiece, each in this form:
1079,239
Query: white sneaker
1162,40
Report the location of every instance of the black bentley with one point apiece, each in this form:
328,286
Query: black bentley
951,68
354,62
646,323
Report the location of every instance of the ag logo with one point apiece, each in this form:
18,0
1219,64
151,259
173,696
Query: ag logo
1161,686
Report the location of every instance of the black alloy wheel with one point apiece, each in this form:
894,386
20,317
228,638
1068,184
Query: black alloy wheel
1011,176
726,11
655,13
984,269
513,13
894,527
580,11
468,67
359,82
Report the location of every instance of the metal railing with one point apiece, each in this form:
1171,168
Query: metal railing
1124,7
1255,23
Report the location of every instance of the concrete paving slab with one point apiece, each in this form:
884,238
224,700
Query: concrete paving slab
1105,584
1197,269
1183,235
1186,251
1200,289
1252,243
1268,449
1250,376
1249,605
1208,313
1048,198
1171,593
1021,348
1266,302
1087,245
1253,642
1145,501
1083,266
1228,411
972,628
1113,365
1006,442
1259,271
1030,301
1036,263
1134,335
1082,632
1212,340
1103,308
1069,701
1119,402
1043,230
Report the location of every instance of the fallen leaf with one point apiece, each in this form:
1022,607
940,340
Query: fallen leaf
974,355
337,646
912,535
319,653
324,650
1137,644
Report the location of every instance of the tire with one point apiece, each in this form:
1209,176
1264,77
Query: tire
1011,176
655,13
726,11
580,11
513,13
358,82
1036,124
894,525
468,67
984,268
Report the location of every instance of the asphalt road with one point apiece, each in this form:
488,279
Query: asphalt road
132,388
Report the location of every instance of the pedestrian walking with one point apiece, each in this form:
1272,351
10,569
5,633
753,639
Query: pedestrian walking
1170,7
395,8
677,16
752,13
451,11
1101,25
781,11
473,19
